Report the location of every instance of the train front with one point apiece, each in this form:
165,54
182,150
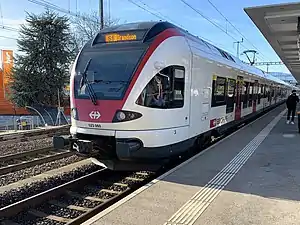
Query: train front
105,93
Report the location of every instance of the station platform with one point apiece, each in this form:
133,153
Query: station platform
17,132
250,177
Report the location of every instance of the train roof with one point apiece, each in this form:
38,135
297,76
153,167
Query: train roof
156,27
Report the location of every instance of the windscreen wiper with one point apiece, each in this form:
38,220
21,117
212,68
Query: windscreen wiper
84,80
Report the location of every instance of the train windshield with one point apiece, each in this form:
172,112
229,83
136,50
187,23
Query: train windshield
108,73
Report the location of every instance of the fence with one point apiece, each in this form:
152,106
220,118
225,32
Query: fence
41,116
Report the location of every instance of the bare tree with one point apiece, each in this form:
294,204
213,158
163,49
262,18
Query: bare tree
86,27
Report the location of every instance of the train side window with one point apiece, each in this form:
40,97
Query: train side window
266,91
269,93
165,90
231,86
245,94
259,93
218,92
251,94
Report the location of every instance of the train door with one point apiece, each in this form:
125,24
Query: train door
238,98
255,88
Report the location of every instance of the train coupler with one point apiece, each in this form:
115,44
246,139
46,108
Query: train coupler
80,146
84,147
59,142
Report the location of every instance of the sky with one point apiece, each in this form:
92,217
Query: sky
13,13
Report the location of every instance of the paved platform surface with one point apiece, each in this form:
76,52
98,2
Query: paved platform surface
251,177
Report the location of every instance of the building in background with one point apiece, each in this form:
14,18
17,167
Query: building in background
6,106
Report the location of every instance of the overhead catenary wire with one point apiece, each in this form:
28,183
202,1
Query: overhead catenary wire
1,36
210,21
163,17
205,17
210,2
141,7
49,5
4,27
8,28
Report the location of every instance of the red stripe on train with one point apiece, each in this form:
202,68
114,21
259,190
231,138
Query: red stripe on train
108,108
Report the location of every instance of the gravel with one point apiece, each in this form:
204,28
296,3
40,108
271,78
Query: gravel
92,190
95,192
117,188
78,202
129,182
28,219
58,211
105,195
35,170
25,191
25,146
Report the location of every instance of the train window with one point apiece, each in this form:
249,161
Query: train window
245,94
269,94
225,55
165,90
213,48
260,87
283,95
229,56
251,94
278,92
219,91
222,53
231,85
231,88
266,89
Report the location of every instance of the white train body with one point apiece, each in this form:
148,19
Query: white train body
200,91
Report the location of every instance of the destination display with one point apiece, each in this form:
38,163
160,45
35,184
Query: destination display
121,36
118,37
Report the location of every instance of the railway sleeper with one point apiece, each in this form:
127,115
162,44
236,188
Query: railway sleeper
142,173
110,191
133,179
40,214
108,183
76,195
73,207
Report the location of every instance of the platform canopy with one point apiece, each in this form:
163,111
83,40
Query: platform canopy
281,27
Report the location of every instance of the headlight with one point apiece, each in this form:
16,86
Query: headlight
122,116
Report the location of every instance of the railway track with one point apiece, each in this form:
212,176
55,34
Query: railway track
75,201
19,161
11,138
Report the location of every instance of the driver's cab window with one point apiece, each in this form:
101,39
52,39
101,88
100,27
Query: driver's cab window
165,90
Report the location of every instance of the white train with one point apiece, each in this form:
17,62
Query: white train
142,93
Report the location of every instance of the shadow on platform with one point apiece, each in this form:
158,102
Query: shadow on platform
273,170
